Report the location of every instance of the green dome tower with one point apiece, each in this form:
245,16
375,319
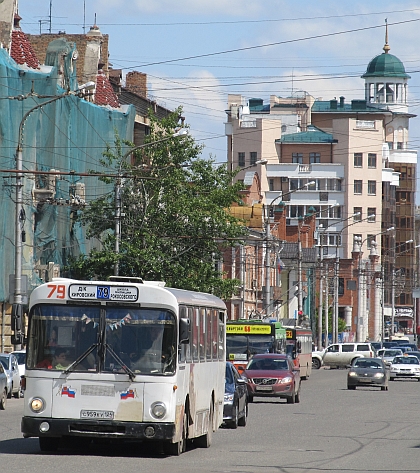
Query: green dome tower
386,81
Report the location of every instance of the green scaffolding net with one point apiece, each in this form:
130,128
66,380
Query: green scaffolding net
68,135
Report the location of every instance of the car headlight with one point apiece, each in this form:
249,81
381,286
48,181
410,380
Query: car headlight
37,404
352,373
229,397
158,410
379,375
286,380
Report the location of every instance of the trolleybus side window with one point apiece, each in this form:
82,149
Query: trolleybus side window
209,334
202,332
194,338
184,349
221,335
215,329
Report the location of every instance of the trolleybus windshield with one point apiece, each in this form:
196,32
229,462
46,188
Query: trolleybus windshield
102,339
240,347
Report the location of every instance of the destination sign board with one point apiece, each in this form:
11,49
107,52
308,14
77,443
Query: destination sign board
103,292
248,329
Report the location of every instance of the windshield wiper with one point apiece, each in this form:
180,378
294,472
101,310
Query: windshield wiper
120,362
80,358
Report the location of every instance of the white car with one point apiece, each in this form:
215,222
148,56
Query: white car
21,359
405,366
11,368
388,354
317,361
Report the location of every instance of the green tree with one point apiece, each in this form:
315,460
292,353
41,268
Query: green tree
174,223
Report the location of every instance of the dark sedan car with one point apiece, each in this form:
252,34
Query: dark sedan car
273,375
368,372
235,407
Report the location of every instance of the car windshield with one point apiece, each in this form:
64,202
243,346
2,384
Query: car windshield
4,362
404,360
366,363
229,376
391,353
242,347
20,356
268,364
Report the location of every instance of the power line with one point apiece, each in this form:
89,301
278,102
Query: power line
277,43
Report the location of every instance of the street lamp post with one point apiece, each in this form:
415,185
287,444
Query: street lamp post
321,283
392,282
17,307
336,277
118,191
365,281
242,253
362,279
268,252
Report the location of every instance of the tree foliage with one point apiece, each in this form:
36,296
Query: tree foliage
174,223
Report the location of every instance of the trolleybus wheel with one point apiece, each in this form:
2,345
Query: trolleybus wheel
205,440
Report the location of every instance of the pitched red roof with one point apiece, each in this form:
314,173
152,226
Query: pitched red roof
21,49
105,94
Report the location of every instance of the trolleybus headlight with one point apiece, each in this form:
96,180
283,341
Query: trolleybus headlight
37,404
158,410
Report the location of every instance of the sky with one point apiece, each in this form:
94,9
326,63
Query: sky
196,52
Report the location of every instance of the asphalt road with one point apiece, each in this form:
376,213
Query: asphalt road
330,430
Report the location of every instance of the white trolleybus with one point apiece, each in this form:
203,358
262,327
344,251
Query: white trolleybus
124,359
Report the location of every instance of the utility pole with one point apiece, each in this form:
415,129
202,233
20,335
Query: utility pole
242,270
392,297
321,280
300,295
118,189
326,340
267,264
335,308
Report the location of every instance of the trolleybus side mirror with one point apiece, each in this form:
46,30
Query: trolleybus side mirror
184,331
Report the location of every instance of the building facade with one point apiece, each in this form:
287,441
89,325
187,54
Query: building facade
351,163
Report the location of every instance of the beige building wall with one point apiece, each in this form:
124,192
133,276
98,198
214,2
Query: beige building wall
358,136
7,12
259,138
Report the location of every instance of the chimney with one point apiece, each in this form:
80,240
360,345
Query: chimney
136,82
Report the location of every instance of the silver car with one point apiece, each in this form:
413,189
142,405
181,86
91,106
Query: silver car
388,354
11,368
3,388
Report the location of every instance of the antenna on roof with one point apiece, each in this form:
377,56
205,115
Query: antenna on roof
50,15
84,16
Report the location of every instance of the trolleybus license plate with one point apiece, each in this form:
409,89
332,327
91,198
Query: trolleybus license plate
85,414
